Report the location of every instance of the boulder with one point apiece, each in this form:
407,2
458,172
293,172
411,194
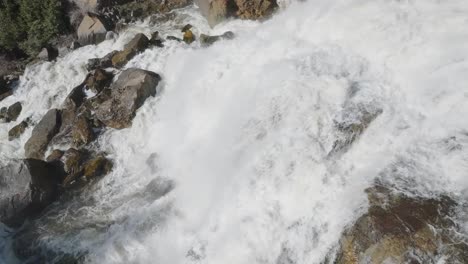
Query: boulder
92,29
96,167
255,9
18,130
11,113
104,62
128,94
42,133
206,40
188,37
138,44
403,229
98,80
26,188
48,54
82,131
14,111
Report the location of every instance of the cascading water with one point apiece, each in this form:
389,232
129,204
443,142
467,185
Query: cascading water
234,161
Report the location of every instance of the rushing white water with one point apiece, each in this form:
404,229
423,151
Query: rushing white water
243,131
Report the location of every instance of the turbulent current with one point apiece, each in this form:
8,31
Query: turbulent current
235,160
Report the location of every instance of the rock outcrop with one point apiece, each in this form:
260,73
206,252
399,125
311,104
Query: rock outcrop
128,94
42,133
11,113
403,229
26,188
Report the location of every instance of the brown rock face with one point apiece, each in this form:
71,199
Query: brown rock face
92,30
42,133
128,94
402,229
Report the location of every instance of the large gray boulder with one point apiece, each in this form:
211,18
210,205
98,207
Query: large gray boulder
42,133
26,188
128,94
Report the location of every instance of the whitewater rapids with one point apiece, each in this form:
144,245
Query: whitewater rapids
243,129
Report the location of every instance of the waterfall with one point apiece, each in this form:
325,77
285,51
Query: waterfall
245,133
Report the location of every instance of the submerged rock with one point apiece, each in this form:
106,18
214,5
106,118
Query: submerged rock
401,229
138,44
128,94
26,188
206,40
42,133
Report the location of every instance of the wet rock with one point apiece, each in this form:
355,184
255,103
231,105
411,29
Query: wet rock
92,29
48,54
401,229
189,37
255,9
72,160
206,40
14,111
104,62
96,167
82,131
128,94
42,133
156,40
18,130
55,155
11,113
98,80
27,187
138,44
